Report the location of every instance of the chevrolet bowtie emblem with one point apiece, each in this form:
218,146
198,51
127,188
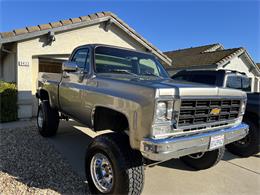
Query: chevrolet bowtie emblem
215,111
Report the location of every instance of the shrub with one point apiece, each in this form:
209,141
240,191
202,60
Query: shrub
8,102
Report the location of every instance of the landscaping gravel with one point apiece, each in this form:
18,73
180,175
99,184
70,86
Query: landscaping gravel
29,164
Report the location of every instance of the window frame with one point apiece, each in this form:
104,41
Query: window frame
160,67
86,58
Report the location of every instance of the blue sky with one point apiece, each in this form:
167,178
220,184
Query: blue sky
167,24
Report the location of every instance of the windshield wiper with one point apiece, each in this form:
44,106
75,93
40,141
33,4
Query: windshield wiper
124,71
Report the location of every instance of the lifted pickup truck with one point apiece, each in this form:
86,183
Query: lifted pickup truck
232,79
152,117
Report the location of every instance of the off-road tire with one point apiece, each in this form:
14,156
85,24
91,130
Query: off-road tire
247,146
127,164
207,160
50,119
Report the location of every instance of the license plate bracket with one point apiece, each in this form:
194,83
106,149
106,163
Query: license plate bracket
216,141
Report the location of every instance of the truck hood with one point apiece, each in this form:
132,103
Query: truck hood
177,88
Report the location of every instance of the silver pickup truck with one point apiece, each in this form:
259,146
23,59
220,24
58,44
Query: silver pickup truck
152,118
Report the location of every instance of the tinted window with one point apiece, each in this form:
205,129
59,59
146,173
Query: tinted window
246,84
80,57
234,82
205,79
181,78
197,78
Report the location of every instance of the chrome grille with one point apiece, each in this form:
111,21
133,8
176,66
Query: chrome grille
195,112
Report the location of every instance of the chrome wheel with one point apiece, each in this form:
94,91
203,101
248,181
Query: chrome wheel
196,155
102,173
40,118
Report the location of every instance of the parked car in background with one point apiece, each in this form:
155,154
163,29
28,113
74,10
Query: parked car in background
152,118
232,79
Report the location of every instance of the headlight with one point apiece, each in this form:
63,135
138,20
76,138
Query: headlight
163,111
243,107
165,117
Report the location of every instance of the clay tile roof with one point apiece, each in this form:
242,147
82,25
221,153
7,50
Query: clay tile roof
45,26
20,31
16,34
75,20
199,58
33,28
55,24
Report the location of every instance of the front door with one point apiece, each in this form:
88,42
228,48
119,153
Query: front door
73,84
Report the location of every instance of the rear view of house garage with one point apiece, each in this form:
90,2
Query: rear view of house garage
43,48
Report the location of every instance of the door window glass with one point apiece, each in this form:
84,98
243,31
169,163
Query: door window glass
80,58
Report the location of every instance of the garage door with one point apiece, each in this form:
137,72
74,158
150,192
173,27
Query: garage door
50,65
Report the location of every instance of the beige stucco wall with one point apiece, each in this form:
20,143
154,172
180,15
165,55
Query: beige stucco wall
239,64
64,44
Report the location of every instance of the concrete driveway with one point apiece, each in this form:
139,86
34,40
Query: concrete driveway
233,175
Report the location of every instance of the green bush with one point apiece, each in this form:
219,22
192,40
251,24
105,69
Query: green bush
8,102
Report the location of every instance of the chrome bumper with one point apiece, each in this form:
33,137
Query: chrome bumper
168,148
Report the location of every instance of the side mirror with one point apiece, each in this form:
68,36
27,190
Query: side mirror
69,66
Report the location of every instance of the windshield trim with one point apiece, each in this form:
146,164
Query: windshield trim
160,67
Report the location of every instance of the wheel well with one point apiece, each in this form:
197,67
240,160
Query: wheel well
106,118
249,116
44,95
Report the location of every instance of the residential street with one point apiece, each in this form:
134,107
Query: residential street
233,175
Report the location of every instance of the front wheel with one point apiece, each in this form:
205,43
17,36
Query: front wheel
112,167
249,145
204,160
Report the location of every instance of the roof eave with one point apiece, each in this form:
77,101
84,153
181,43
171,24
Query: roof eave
223,62
112,17
57,29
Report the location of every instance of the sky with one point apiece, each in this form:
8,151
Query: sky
167,24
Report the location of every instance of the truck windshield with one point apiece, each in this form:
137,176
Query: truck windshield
114,60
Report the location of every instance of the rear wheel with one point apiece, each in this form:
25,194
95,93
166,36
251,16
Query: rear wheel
47,119
204,160
112,167
248,145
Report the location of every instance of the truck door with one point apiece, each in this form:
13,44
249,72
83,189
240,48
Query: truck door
72,86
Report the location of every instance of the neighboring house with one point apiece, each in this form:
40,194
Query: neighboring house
258,65
214,57
26,52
